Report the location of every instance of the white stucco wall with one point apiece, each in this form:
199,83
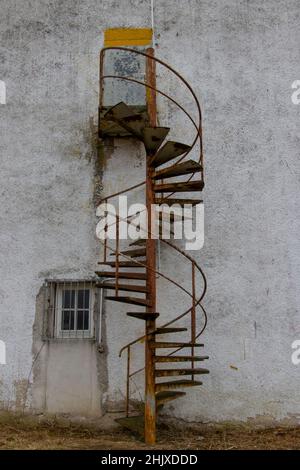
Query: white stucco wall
241,58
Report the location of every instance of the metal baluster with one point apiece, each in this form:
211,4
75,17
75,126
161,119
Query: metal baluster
193,316
128,382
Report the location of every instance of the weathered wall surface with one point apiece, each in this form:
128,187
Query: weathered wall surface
241,58
68,376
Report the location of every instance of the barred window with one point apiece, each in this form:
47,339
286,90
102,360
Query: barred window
74,307
69,309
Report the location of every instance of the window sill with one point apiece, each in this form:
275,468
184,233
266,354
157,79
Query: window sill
61,339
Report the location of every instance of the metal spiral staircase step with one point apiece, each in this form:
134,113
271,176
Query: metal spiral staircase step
124,117
135,424
122,275
110,128
161,227
165,396
180,358
163,331
136,253
184,168
134,124
176,384
170,217
108,119
180,202
163,344
129,300
164,228
153,137
173,372
124,287
167,152
137,125
179,187
143,315
123,264
142,241
139,122
119,111
138,242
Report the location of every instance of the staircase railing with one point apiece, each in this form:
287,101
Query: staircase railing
194,334
196,301
198,126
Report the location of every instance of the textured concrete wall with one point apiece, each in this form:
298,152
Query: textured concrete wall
241,57
72,381
68,376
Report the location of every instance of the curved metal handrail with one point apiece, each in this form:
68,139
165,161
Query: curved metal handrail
183,253
177,74
198,127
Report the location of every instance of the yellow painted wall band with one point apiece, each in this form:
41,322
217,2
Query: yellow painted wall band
127,37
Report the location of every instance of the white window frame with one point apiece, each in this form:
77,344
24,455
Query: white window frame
77,334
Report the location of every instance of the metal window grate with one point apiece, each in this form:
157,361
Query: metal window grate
70,309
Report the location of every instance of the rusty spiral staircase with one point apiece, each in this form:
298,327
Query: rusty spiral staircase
134,270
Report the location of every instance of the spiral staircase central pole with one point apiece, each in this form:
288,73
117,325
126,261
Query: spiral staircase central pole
150,404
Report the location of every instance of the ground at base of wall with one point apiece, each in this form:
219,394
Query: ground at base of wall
24,432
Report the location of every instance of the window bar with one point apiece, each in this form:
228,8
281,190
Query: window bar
63,304
91,332
69,287
52,300
50,313
76,308
50,296
46,312
83,312
117,254
59,309
89,310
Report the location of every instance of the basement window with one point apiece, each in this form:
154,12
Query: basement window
69,309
